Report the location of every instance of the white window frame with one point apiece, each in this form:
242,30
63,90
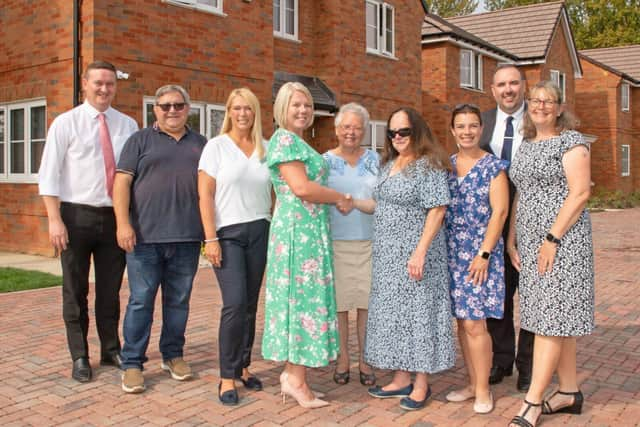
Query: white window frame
371,135
203,108
560,79
471,64
625,97
195,4
282,19
382,27
625,160
28,176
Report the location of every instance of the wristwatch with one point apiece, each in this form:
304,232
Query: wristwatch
553,239
484,254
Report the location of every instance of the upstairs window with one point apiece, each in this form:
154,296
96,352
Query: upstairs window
213,6
470,69
380,27
560,79
285,19
625,100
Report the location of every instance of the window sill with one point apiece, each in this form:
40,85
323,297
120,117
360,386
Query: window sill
472,89
286,38
382,55
14,179
196,8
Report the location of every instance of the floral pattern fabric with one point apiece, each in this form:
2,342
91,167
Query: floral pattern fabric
300,307
409,325
466,223
560,302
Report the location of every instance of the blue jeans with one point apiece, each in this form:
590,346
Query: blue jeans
172,266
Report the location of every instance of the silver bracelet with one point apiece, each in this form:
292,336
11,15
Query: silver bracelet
215,239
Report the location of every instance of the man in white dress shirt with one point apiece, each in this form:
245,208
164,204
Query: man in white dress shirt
75,182
501,136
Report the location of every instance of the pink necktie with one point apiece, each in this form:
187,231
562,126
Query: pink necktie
107,153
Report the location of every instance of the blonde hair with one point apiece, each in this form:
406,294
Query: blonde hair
256,128
283,98
565,121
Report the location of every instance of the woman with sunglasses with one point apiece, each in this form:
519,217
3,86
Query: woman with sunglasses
474,222
550,244
409,329
300,303
235,207
352,169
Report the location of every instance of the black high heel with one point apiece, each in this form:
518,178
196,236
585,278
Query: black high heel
521,421
574,408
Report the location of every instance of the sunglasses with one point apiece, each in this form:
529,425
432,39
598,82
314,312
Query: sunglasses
178,106
404,132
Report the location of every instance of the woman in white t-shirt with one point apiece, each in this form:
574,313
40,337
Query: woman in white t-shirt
235,205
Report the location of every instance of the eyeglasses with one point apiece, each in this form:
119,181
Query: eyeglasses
544,103
178,106
349,128
404,132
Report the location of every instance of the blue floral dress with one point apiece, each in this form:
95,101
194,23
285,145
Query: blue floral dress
466,222
300,305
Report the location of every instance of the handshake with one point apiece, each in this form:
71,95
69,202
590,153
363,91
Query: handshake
345,204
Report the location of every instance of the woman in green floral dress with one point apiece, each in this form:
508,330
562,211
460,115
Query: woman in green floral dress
300,307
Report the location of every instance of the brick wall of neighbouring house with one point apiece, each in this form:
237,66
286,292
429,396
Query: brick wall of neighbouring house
441,90
635,137
598,107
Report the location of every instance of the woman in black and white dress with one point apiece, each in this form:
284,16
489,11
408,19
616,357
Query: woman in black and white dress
550,244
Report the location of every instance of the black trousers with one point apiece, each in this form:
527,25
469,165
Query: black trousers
244,255
502,330
92,233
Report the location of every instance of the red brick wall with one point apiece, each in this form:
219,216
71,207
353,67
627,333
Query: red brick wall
598,107
635,131
441,90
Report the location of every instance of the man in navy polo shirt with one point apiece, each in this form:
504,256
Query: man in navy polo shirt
155,200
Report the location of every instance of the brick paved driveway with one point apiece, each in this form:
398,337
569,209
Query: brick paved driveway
35,388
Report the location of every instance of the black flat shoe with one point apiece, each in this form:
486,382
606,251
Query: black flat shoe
521,421
229,397
252,383
112,359
574,408
498,373
409,404
81,371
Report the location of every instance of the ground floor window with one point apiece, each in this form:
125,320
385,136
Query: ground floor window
23,129
625,160
375,136
204,118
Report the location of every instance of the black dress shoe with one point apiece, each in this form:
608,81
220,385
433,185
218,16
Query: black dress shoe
229,397
112,359
498,373
81,371
524,381
252,383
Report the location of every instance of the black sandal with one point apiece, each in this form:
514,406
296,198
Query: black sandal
520,420
341,378
574,408
368,379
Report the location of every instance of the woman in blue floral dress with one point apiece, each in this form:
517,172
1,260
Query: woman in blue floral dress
474,222
300,306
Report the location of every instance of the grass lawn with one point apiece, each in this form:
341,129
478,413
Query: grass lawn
15,279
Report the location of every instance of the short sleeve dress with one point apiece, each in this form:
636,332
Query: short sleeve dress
466,223
300,307
559,302
409,325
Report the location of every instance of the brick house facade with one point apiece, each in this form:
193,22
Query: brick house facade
537,38
607,102
356,48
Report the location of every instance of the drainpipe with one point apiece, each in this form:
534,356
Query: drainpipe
76,53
